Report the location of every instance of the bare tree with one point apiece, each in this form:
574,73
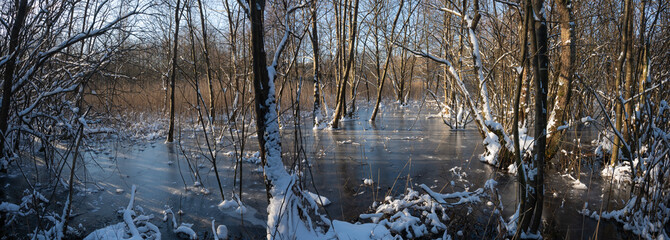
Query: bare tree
626,58
316,111
518,155
390,40
210,74
561,95
284,193
345,65
541,71
173,72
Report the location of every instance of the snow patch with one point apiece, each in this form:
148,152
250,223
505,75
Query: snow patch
321,200
368,181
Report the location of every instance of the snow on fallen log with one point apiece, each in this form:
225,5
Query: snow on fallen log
128,216
463,197
184,230
137,227
321,200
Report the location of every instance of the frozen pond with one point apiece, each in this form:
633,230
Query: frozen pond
406,147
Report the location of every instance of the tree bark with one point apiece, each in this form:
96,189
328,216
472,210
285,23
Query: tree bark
316,112
341,104
643,63
521,177
541,80
389,49
210,76
560,110
531,180
21,12
629,84
263,87
618,81
173,73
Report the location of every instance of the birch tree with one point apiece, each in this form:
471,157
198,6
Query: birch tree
316,111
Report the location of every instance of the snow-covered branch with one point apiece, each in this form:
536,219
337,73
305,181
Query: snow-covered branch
461,85
128,217
626,146
451,11
42,57
282,43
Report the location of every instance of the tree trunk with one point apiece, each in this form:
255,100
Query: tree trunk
643,63
449,92
617,85
173,73
316,112
517,97
504,154
477,61
541,80
560,110
282,188
205,45
263,89
389,49
531,179
341,104
21,11
629,84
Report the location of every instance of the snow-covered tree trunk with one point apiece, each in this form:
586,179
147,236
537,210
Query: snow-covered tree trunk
477,61
498,145
289,211
560,109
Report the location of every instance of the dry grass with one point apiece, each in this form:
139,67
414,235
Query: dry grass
149,96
